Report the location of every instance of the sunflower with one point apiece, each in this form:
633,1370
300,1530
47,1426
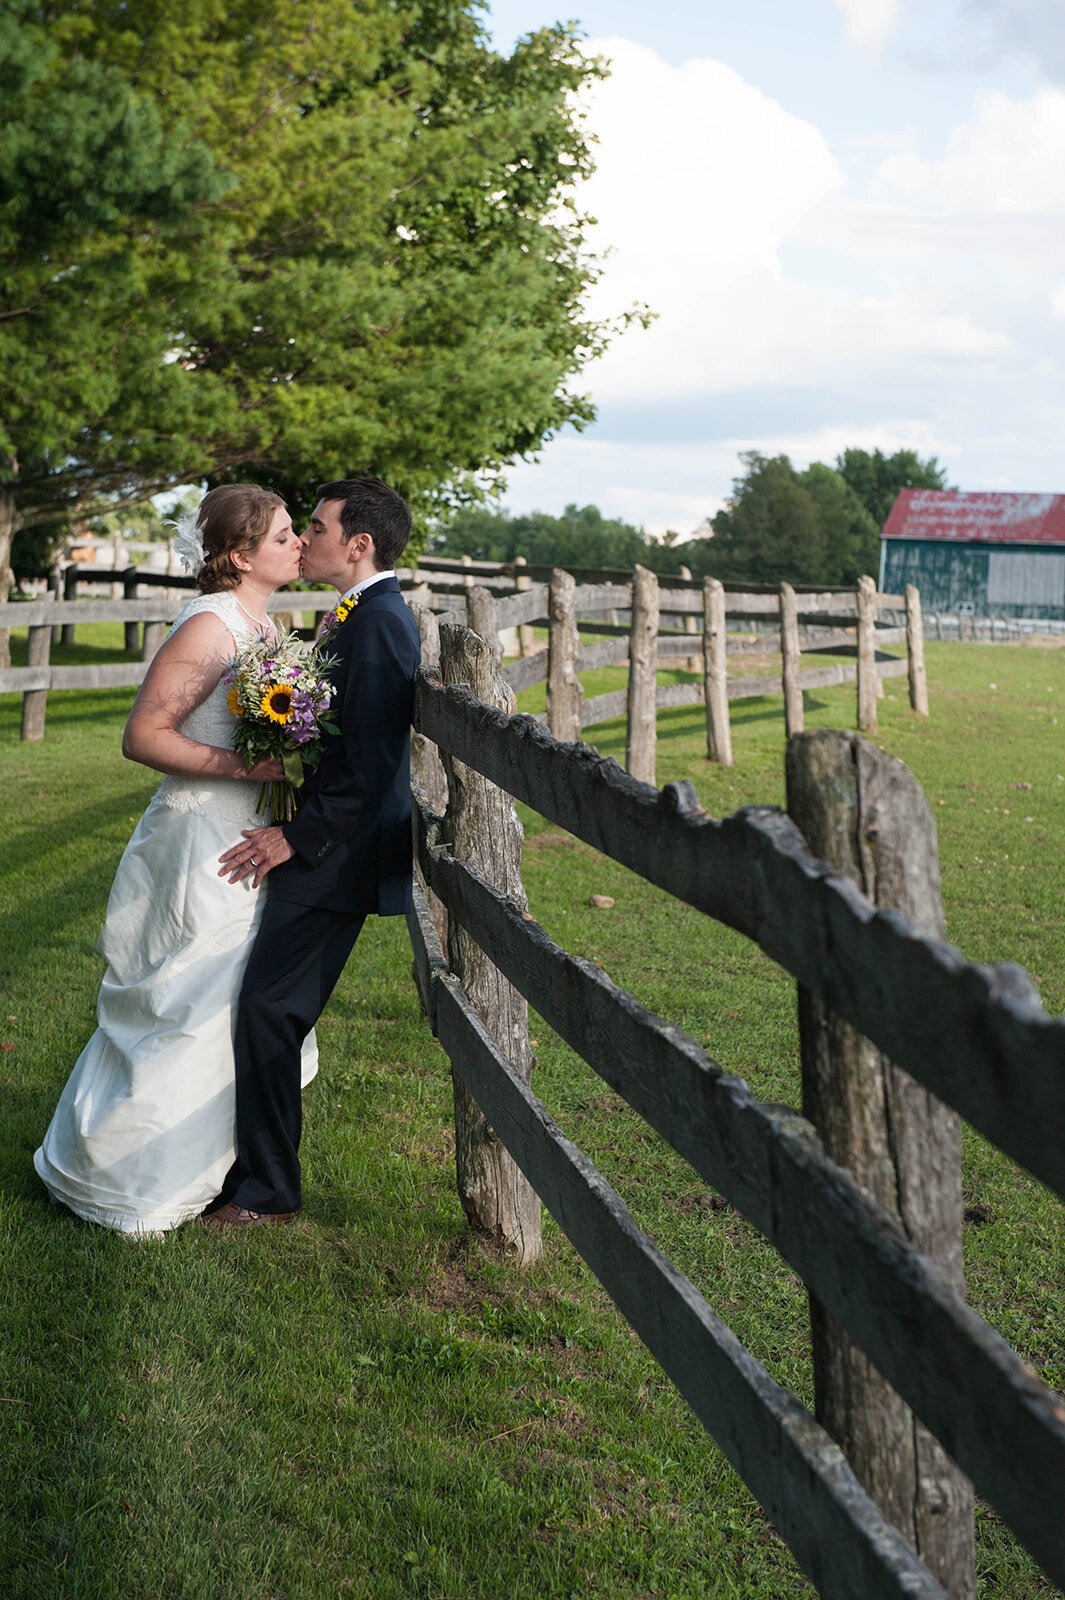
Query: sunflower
276,703
233,702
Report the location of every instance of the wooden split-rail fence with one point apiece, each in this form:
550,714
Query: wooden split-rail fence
584,632
900,1037
810,622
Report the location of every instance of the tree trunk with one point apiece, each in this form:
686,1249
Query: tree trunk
863,813
482,827
643,663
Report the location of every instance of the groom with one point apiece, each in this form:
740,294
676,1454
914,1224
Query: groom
346,852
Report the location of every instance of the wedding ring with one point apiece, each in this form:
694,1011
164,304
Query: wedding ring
252,863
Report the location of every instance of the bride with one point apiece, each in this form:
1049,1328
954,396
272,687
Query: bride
144,1131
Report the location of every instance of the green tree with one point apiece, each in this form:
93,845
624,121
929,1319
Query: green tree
93,190
819,526
580,537
770,528
851,538
392,281
876,478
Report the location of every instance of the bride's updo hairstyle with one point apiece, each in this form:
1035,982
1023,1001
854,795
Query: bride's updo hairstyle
233,518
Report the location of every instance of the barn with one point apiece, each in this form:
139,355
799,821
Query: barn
999,555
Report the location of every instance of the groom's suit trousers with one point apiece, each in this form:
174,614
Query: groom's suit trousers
292,971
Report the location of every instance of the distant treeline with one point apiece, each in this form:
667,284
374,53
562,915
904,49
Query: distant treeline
820,525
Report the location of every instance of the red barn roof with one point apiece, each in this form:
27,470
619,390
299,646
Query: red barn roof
988,518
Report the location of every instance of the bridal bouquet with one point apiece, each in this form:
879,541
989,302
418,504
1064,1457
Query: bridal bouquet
279,695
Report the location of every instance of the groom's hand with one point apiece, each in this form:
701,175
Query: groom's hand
262,849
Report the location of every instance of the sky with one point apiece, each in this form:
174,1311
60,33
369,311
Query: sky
849,219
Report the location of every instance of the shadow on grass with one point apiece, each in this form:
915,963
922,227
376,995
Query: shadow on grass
34,844
68,708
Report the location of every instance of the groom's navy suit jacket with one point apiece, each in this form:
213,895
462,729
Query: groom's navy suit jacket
352,834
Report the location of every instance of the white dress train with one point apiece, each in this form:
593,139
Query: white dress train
144,1132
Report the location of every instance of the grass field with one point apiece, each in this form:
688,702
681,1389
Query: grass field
366,1403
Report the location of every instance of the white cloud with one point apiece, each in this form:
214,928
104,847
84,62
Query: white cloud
697,195
869,23
700,180
1006,161
801,313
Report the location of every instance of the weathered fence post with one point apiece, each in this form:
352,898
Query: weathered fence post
482,827
154,634
643,663
791,661
715,668
467,561
34,701
690,626
867,674
425,764
482,614
426,768
526,639
129,592
118,562
915,650
864,813
54,587
70,592
564,693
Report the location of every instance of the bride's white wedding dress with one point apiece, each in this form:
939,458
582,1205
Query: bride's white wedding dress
144,1132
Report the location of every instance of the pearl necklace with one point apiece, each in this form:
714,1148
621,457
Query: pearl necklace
260,622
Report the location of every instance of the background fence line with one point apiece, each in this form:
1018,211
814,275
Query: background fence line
829,618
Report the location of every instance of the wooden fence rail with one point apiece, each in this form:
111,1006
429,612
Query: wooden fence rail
982,1044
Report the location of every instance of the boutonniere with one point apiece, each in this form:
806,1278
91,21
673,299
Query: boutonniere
340,613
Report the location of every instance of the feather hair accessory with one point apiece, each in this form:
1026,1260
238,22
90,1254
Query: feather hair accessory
188,541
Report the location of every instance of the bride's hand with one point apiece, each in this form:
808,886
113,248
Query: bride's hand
268,770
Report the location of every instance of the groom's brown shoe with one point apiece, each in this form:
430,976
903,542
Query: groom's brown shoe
233,1216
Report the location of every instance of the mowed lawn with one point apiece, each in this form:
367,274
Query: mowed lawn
366,1402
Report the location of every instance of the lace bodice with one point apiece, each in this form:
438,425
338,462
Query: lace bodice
211,723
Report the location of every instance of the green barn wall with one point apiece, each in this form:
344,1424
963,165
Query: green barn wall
951,574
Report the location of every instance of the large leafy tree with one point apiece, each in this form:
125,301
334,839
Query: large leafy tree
820,525
375,268
876,478
94,194
769,529
851,543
